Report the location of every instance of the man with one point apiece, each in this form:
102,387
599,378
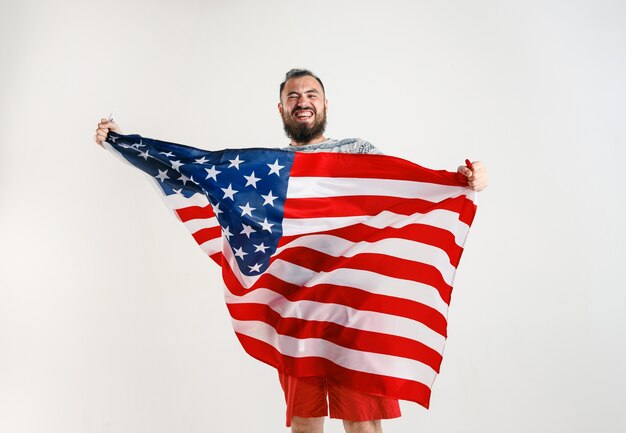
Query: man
303,108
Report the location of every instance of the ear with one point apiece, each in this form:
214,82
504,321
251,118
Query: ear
326,104
280,107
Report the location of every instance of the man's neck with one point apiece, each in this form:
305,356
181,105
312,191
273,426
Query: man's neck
316,140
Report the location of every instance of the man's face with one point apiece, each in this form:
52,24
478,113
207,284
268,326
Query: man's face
303,109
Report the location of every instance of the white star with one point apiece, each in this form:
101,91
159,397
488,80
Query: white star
201,160
268,199
138,145
216,209
261,248
113,138
212,173
168,154
184,179
176,165
246,209
275,168
266,226
235,162
229,192
252,180
255,268
124,146
226,233
162,175
144,155
239,252
247,230
178,191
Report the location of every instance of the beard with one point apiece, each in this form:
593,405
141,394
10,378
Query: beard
301,133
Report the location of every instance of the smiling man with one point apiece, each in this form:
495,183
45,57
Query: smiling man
303,108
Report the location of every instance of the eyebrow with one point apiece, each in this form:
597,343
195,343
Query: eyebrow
293,92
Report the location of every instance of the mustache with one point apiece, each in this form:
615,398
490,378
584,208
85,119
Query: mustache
302,107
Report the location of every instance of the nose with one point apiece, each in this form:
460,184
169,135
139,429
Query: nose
303,101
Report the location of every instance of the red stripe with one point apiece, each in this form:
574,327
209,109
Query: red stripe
365,341
204,235
392,387
367,166
217,258
342,206
195,212
343,295
421,233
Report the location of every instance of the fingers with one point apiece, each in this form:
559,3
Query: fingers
479,179
100,136
476,177
465,171
478,165
478,186
103,129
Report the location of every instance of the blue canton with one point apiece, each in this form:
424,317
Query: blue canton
247,189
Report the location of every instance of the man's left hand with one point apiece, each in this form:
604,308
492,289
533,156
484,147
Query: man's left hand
476,176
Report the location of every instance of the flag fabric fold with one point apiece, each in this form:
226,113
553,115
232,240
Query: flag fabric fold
335,265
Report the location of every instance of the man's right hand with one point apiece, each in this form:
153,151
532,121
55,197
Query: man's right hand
103,129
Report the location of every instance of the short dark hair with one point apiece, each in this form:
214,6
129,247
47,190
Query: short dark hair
295,73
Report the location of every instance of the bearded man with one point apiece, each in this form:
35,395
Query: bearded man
303,106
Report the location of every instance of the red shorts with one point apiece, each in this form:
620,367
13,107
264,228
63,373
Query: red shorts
306,398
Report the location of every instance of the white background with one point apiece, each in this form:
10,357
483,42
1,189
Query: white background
112,319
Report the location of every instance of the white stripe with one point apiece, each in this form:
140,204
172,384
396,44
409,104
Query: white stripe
202,223
313,187
394,247
344,316
440,218
298,226
374,363
179,201
212,246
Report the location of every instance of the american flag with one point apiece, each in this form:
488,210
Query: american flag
335,265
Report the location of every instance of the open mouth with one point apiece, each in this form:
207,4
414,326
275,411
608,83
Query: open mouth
303,114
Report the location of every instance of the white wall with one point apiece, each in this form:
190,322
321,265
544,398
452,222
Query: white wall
112,320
